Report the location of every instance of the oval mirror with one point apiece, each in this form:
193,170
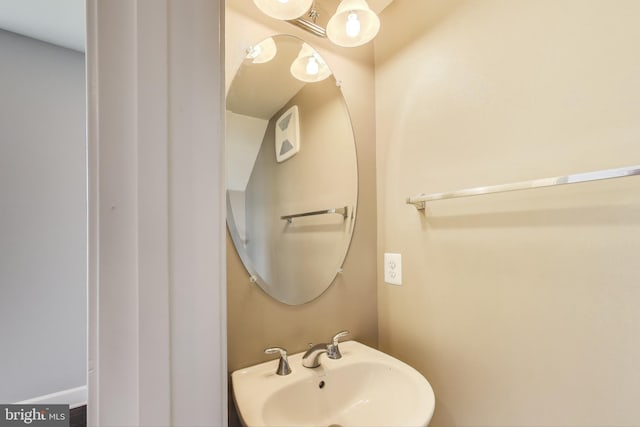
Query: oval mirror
292,179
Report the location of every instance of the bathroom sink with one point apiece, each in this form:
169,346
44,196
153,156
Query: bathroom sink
364,388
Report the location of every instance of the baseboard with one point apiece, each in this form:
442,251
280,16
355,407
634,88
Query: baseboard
73,397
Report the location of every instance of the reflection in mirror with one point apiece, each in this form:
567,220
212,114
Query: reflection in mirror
292,181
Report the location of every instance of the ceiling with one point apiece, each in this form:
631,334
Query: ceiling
325,7
60,22
378,5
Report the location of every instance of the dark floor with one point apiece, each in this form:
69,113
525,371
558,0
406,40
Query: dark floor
78,416
234,419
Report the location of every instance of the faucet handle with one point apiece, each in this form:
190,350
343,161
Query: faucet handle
337,336
333,351
283,363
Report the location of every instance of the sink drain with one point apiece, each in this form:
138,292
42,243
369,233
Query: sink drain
321,385
335,425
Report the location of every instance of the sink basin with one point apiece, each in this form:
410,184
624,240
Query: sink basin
364,388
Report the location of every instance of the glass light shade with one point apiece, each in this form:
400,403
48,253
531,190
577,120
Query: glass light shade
284,10
309,67
349,15
262,52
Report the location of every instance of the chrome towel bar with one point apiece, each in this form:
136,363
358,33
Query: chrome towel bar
344,211
420,200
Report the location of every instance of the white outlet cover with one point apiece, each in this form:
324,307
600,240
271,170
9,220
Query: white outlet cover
393,269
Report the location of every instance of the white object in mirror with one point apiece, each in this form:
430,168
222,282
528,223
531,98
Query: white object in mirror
287,134
309,66
262,52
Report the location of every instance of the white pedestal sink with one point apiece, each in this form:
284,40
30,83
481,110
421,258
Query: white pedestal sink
364,388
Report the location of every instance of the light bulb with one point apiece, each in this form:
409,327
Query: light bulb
353,25
262,52
313,67
254,52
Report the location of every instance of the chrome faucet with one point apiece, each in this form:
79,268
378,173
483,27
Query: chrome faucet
312,356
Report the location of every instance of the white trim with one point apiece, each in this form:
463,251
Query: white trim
197,214
157,301
73,397
91,73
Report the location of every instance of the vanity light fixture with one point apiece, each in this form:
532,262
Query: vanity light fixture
283,9
308,66
353,24
262,52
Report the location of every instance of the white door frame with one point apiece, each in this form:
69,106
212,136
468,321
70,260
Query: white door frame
157,285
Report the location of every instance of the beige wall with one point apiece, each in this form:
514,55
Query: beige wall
520,308
255,320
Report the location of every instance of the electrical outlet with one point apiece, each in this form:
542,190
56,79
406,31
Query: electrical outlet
393,269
